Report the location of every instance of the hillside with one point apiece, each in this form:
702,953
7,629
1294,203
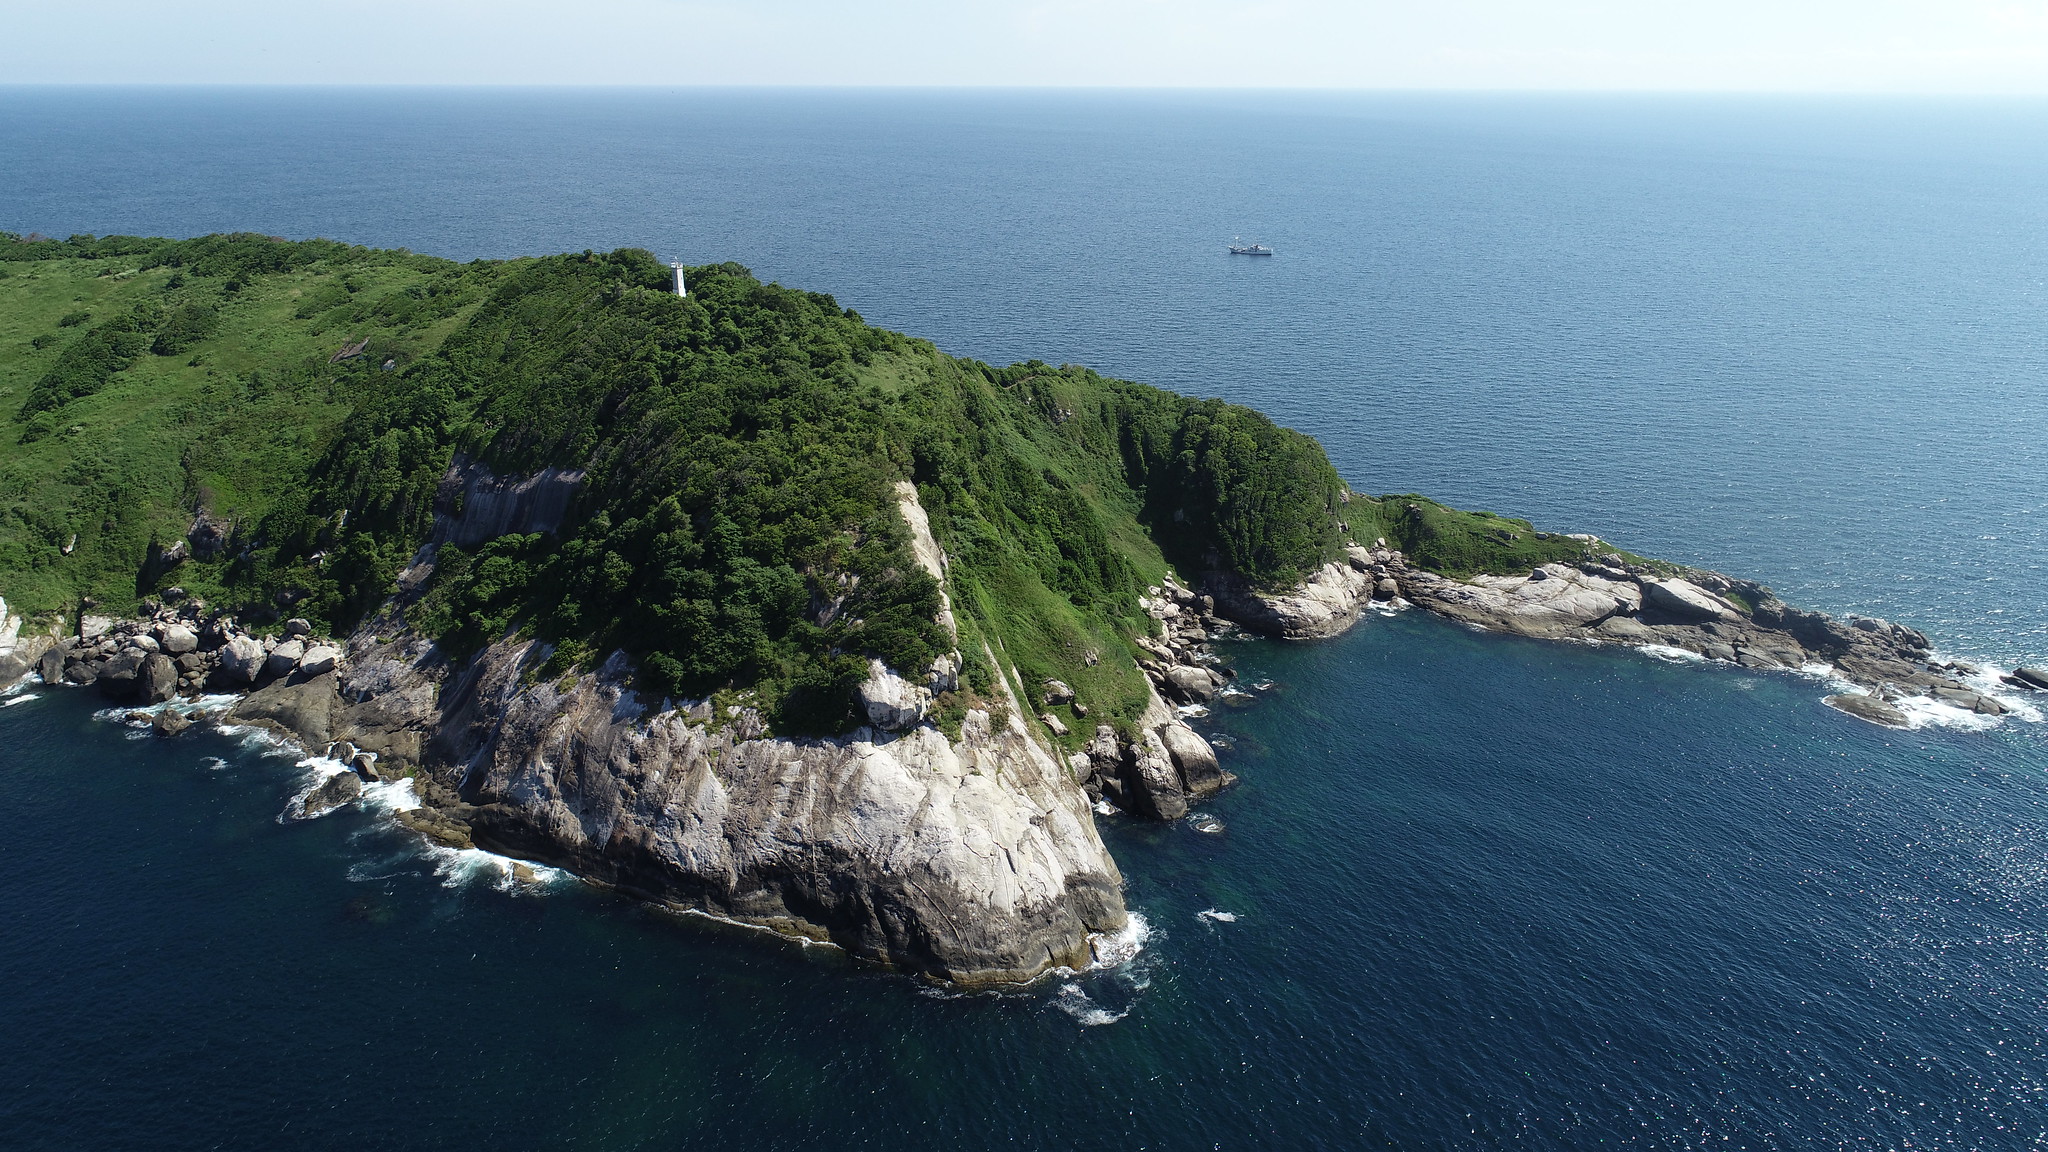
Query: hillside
294,408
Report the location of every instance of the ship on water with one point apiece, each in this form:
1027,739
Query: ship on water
1240,247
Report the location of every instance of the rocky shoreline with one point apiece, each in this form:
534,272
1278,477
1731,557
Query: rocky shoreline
1607,598
971,860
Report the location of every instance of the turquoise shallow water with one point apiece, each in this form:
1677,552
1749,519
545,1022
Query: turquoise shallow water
1487,892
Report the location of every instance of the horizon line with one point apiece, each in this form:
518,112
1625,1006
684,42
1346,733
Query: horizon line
573,86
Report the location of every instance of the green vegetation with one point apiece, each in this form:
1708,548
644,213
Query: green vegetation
736,529
1458,543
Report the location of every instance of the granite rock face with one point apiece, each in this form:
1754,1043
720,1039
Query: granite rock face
974,862
891,702
1325,604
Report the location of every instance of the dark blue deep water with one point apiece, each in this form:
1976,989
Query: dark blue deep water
1487,892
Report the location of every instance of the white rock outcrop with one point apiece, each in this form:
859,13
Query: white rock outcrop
891,702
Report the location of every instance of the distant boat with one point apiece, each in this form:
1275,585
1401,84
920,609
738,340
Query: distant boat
1254,248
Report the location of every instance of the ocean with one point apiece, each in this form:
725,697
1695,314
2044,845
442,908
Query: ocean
1473,891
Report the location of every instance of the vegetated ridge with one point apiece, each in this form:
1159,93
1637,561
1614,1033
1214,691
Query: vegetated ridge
734,529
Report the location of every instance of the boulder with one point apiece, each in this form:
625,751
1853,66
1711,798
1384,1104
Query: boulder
1686,600
331,793
891,702
94,627
176,639
1105,755
283,658
144,643
1200,774
51,666
305,710
1053,722
1867,708
241,659
2036,678
1152,784
319,660
1964,698
158,681
1385,588
1193,684
192,663
1057,692
121,676
169,723
298,626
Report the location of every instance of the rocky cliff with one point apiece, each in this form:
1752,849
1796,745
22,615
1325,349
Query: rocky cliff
972,860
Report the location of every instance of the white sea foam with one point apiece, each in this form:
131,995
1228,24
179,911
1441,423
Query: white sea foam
1191,711
1116,949
1104,808
17,696
461,867
391,796
2020,704
1205,823
213,763
1075,1001
1216,917
1670,655
262,741
317,771
1926,712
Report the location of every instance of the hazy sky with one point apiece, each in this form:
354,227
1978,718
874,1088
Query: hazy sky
1787,45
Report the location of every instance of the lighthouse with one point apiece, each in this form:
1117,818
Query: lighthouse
680,289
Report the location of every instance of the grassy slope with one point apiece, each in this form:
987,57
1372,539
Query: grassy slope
234,420
1058,494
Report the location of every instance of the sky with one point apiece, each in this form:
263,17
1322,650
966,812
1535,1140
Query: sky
1884,46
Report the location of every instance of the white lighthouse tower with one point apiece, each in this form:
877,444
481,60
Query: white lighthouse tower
680,289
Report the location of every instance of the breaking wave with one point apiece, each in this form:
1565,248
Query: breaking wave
1110,987
1075,1001
1670,655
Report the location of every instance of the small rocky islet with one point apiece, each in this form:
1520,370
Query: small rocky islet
732,602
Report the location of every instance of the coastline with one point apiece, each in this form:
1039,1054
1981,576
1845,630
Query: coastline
495,764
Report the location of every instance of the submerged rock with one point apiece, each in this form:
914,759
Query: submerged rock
337,789
1868,708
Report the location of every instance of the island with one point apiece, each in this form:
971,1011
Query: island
707,590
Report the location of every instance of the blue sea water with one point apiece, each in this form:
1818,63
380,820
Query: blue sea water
1486,892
